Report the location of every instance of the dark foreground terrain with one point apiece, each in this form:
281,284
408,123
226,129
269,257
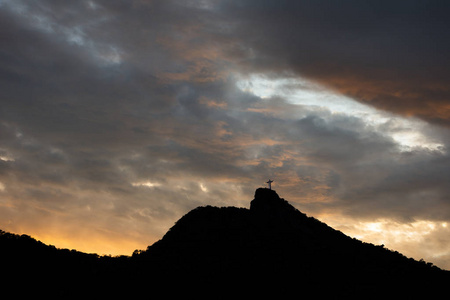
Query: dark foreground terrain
271,249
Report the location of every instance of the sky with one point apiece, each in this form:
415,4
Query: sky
119,117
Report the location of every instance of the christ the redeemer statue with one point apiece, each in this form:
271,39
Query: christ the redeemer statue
270,184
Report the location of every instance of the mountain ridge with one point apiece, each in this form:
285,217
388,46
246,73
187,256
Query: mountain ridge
272,245
272,240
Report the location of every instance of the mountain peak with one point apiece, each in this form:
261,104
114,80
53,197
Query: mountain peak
267,201
265,193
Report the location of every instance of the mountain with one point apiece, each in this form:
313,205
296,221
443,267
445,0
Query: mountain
271,249
276,246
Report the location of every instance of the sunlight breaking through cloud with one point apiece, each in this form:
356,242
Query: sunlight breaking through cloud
405,237
146,184
407,132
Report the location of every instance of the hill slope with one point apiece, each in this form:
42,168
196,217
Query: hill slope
269,249
276,246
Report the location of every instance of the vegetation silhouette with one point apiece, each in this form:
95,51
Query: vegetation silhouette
270,249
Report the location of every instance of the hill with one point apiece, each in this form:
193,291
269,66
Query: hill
270,249
31,268
276,246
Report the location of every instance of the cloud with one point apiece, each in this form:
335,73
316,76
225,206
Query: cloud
389,55
119,117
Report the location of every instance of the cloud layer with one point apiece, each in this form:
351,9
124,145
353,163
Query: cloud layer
118,117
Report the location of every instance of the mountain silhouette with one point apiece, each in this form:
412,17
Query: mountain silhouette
271,249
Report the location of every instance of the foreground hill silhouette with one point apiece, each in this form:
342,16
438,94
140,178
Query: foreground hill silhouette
269,249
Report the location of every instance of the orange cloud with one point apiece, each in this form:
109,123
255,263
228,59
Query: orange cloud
419,97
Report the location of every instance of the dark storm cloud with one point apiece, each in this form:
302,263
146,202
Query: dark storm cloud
390,54
77,103
106,121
